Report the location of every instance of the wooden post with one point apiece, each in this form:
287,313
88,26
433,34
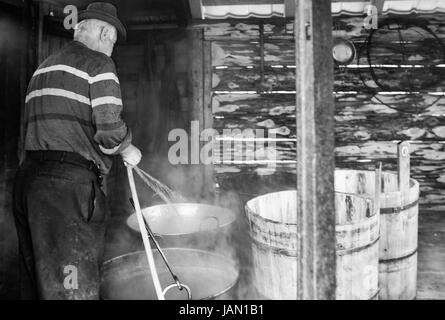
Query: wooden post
289,8
379,4
27,65
403,168
209,189
201,176
40,15
378,187
196,9
315,150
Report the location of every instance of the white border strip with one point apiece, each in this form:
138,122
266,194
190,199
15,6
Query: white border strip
78,73
106,100
58,93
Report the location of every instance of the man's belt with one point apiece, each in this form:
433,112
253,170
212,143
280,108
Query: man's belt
64,156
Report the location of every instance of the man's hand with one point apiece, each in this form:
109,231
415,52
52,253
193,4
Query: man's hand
131,155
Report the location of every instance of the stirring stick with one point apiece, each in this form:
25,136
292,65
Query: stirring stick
144,234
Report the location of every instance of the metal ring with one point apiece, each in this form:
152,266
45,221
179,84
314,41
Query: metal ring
342,252
399,258
282,251
180,286
399,209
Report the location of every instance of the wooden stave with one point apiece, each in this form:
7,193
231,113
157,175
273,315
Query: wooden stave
357,252
399,245
346,229
266,251
409,239
398,212
350,226
403,268
270,260
257,225
392,201
276,258
284,256
350,284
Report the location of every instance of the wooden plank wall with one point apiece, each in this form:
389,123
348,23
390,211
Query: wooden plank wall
162,81
10,97
366,130
161,75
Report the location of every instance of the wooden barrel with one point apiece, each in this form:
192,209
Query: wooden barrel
398,226
398,247
357,247
273,229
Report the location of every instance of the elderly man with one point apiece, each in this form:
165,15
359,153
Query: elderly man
73,125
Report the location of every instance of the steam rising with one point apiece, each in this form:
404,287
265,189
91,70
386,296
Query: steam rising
232,192
231,242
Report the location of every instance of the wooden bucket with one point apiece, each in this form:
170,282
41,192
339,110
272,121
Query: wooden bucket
273,229
357,247
398,224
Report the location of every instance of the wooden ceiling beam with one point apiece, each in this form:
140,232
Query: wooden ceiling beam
239,2
289,8
368,1
378,4
196,8
13,2
182,12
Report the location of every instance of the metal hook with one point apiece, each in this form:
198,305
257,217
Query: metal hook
180,286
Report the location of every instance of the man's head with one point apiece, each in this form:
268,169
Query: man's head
97,35
99,27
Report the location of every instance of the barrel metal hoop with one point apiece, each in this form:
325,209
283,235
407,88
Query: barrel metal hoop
293,253
400,258
251,216
398,209
348,251
281,251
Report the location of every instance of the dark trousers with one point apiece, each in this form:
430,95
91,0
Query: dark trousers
60,214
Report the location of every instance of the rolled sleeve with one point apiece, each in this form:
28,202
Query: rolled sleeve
112,134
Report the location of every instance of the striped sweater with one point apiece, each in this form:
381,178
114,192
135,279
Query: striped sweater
73,103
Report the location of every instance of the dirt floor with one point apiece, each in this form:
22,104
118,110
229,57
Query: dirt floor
431,258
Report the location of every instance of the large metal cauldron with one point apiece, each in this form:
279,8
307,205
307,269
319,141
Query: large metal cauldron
209,275
189,225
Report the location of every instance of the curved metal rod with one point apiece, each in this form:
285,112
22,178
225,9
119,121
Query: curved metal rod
152,236
181,287
144,235
150,233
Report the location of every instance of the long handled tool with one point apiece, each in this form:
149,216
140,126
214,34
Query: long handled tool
177,283
144,234
146,231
